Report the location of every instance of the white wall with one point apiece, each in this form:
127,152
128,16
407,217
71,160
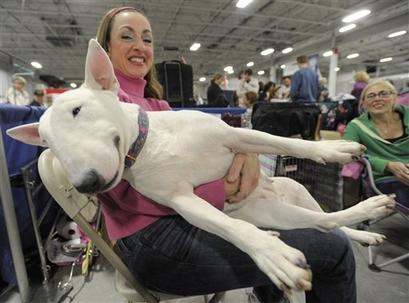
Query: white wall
344,83
5,78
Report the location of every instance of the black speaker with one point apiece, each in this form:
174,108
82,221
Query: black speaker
177,81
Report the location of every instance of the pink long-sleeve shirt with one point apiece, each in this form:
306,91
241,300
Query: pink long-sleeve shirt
125,210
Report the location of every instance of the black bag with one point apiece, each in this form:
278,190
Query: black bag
286,119
177,81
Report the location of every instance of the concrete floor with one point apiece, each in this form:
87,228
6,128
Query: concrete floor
391,285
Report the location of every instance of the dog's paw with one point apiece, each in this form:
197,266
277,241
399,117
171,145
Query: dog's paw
284,265
364,237
376,207
340,151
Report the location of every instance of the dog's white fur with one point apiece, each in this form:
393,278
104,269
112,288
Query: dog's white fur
185,149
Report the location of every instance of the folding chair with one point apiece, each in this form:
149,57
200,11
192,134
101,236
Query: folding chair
370,188
72,202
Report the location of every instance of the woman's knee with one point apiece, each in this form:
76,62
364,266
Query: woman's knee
339,251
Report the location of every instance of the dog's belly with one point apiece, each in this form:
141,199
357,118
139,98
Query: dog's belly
159,178
265,190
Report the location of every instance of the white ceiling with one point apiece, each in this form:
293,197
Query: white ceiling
56,32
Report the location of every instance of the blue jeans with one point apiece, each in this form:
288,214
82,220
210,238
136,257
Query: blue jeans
172,256
401,190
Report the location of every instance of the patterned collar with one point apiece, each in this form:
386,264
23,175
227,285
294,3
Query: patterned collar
136,147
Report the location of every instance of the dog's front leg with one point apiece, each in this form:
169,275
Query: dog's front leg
284,265
252,141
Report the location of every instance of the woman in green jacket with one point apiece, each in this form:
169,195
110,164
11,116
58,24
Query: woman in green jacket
384,129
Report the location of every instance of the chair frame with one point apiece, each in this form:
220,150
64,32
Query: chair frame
72,203
372,265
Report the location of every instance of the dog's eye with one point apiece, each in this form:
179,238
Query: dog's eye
76,110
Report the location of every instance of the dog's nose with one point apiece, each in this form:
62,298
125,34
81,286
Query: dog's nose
92,182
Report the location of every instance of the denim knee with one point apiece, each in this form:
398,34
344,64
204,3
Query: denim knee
339,253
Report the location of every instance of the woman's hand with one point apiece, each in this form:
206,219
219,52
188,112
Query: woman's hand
242,177
400,171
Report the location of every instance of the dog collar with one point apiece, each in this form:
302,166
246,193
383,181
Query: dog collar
136,147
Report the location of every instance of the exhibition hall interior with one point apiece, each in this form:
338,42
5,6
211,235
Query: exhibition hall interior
278,170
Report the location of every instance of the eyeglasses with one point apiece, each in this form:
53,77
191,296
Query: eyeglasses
382,95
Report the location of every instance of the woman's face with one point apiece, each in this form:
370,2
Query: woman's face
18,85
131,45
379,99
219,81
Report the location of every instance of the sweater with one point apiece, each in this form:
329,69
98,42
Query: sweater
304,86
125,210
215,96
379,150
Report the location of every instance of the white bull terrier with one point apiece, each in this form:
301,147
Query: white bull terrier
93,135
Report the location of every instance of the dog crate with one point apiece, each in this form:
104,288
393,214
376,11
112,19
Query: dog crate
324,182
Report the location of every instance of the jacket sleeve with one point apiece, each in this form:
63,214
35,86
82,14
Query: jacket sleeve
352,132
378,164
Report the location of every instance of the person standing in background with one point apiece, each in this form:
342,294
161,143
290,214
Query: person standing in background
38,98
215,94
17,94
284,90
247,84
361,79
249,99
304,83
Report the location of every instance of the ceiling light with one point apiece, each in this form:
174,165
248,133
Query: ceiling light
287,50
230,71
195,46
73,85
251,63
396,34
267,51
282,66
36,64
336,69
260,72
227,68
243,3
202,79
352,56
386,59
347,27
355,16
328,53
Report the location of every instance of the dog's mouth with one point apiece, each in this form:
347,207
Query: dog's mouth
107,186
110,183
113,180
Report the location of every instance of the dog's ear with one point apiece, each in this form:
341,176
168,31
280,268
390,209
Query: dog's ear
99,73
27,133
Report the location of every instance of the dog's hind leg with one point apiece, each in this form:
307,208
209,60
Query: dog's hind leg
290,191
301,197
268,207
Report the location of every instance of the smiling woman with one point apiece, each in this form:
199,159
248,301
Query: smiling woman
384,129
160,247
126,35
